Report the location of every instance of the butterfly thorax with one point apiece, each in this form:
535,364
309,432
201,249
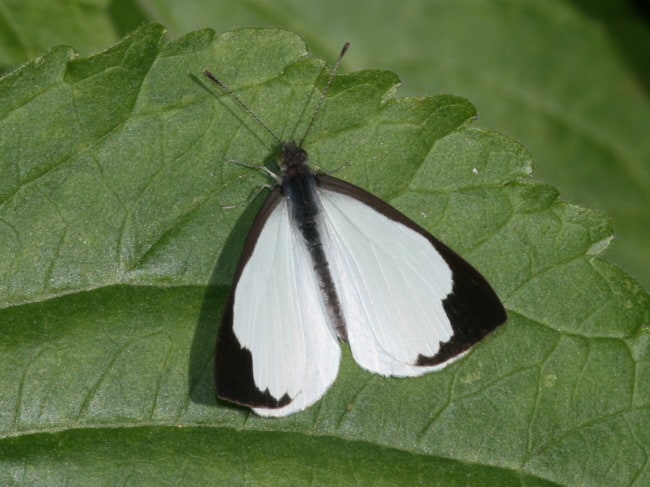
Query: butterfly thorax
299,185
294,160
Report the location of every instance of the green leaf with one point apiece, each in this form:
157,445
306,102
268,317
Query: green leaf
569,79
29,27
118,254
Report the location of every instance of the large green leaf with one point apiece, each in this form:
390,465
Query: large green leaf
567,78
118,254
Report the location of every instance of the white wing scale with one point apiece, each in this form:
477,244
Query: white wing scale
391,282
279,316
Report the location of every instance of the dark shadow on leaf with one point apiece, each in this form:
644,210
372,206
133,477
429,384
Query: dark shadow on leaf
202,354
201,363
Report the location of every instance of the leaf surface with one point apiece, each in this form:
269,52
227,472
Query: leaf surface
119,252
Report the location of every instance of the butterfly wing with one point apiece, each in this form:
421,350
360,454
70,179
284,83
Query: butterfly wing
276,351
411,304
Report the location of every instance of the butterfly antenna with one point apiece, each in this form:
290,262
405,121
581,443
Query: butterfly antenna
325,90
238,100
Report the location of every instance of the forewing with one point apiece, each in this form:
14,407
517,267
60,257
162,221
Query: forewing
410,303
276,352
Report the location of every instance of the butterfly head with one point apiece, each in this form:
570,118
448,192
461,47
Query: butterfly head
293,160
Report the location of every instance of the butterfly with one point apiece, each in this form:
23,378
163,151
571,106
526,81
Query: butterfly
326,261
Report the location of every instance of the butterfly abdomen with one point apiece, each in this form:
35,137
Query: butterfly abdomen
300,189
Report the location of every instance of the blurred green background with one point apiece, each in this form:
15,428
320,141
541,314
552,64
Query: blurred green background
568,79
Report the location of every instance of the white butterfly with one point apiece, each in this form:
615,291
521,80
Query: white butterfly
327,261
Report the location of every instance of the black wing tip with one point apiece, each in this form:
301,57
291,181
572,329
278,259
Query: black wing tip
253,398
472,321
234,372
236,385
